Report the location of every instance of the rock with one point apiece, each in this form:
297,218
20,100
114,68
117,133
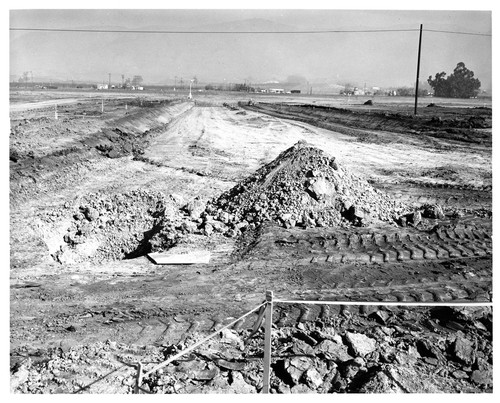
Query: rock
359,213
350,370
301,389
14,155
218,384
481,364
296,366
463,350
231,337
459,374
333,351
327,333
195,208
208,229
231,233
18,378
379,382
252,378
286,217
482,377
380,316
241,225
283,388
313,378
432,211
360,344
114,153
359,361
204,374
218,227
188,366
414,218
189,226
78,216
239,385
301,348
225,217
90,213
321,189
431,361
428,349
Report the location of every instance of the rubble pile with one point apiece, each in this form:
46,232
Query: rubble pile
383,350
440,349
306,187
112,227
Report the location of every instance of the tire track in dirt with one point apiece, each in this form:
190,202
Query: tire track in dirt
369,246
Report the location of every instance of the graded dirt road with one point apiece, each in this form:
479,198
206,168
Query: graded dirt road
187,150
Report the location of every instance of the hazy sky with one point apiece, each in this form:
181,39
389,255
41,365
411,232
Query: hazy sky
377,59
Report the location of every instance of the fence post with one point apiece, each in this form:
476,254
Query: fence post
267,342
138,378
55,112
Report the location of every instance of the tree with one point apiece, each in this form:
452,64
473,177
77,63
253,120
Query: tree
460,84
405,92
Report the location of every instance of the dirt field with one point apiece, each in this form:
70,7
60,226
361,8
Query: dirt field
92,193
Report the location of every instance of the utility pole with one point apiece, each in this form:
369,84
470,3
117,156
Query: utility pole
418,67
109,82
123,79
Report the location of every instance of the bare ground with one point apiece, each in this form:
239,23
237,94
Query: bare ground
186,150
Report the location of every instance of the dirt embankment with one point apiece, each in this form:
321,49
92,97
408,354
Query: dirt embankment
456,124
47,154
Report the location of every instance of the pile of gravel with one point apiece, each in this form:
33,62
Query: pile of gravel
304,186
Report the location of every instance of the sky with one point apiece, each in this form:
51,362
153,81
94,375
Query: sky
383,59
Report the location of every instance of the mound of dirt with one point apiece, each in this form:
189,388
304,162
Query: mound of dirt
304,186
112,227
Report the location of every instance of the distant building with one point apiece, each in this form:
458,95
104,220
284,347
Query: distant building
295,91
276,90
102,86
358,91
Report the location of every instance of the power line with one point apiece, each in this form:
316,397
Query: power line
457,32
330,31
208,32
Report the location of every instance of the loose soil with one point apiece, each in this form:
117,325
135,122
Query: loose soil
91,196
